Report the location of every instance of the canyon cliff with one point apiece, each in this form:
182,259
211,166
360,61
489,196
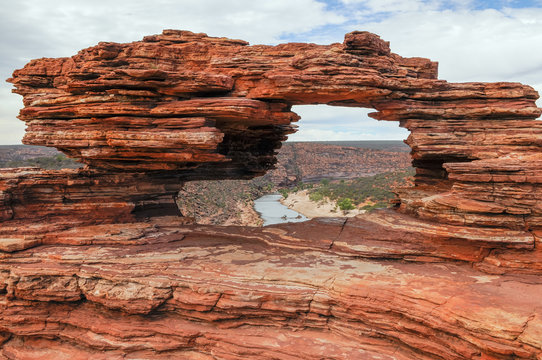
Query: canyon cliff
98,262
310,162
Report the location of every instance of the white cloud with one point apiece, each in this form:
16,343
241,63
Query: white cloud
482,45
35,28
392,5
74,24
11,129
469,44
326,123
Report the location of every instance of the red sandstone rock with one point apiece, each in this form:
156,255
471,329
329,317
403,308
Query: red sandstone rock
90,268
260,293
141,106
73,197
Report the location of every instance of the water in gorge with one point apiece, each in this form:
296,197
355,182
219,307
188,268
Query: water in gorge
273,212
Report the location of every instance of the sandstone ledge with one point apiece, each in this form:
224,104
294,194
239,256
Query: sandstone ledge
156,289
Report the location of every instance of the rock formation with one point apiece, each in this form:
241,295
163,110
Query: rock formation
95,264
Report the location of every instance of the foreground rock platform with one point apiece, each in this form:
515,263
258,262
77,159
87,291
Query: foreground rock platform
298,291
98,262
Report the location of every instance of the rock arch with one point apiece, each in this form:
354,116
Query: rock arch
193,106
89,268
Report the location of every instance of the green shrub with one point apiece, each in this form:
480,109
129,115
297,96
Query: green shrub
376,188
316,197
345,204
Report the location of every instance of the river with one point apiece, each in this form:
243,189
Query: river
273,212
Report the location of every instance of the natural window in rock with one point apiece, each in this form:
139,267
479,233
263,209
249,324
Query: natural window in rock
340,162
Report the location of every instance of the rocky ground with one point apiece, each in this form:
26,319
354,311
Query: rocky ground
224,202
301,202
347,197
230,202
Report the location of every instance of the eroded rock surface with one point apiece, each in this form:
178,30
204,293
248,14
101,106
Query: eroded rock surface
92,268
330,288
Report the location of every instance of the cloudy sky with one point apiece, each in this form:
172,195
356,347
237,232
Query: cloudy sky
473,40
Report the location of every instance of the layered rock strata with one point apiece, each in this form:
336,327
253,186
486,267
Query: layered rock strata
91,268
311,162
336,289
32,197
180,101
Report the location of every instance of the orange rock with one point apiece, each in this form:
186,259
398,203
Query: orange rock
92,268
263,293
181,100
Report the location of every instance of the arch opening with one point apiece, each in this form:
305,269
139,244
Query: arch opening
339,162
339,123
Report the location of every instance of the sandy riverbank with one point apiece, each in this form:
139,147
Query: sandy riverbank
246,215
301,203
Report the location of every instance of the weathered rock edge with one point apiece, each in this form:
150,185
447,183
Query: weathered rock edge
91,268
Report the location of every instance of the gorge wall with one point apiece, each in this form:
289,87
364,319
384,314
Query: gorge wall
97,262
312,162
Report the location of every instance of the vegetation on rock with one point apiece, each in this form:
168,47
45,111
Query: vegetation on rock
345,204
373,191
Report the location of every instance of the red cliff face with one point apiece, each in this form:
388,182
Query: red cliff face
94,265
314,162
